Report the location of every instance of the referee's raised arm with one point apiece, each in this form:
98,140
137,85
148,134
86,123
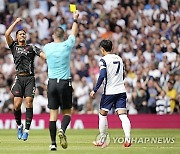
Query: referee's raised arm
75,23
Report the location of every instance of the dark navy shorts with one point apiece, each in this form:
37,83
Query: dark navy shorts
59,94
118,101
23,86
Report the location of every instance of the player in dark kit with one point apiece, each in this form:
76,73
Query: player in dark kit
24,84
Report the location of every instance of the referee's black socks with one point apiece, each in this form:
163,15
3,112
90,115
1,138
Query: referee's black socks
52,131
65,122
29,116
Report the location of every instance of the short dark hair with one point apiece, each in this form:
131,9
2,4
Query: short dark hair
106,44
171,82
19,31
59,32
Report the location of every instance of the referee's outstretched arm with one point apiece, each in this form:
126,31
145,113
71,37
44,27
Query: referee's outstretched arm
75,23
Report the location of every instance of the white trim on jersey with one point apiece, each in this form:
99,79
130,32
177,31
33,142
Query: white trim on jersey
120,109
104,109
14,83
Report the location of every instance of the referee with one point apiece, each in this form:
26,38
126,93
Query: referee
59,84
24,84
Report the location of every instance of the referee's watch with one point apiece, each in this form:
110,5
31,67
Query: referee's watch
75,20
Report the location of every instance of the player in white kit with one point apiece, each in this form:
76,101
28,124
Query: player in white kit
114,94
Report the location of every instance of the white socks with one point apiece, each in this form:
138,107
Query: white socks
103,124
27,131
19,126
126,125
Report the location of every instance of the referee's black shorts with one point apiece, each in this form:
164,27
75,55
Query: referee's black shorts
59,94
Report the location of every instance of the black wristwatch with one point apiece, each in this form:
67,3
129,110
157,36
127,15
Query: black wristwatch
75,20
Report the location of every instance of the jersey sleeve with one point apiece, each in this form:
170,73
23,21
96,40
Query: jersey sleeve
70,42
102,64
36,50
102,74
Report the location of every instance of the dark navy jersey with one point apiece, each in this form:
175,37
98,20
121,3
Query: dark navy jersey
24,57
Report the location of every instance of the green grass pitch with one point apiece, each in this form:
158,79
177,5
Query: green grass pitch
80,142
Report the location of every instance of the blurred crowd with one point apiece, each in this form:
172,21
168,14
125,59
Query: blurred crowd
145,33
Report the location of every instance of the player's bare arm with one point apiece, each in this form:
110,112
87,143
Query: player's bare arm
75,23
42,55
9,39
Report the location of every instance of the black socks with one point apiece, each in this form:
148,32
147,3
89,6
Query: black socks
17,115
52,131
65,122
29,116
52,127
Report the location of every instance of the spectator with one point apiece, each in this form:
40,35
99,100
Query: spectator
164,78
42,26
4,96
8,66
130,105
83,72
152,92
153,71
140,101
158,53
171,93
12,6
8,105
171,56
40,102
177,106
177,83
82,94
94,68
162,64
162,103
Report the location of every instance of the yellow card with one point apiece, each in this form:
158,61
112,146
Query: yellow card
72,7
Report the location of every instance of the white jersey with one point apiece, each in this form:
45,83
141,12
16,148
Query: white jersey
114,83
